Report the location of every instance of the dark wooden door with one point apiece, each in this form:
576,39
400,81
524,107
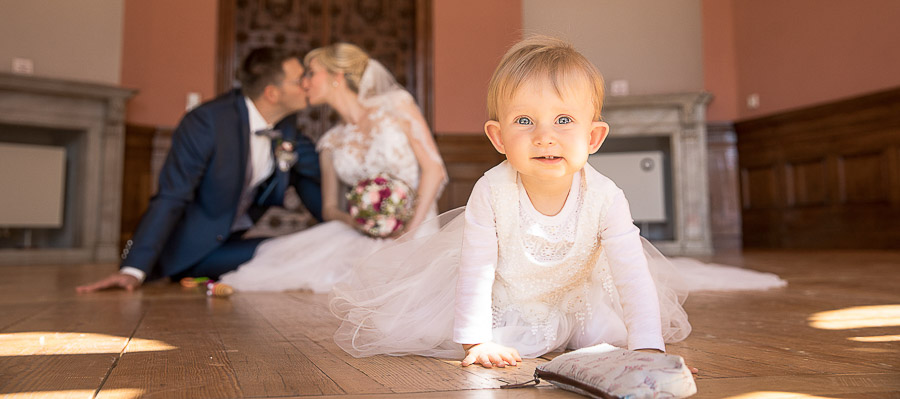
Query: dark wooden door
395,32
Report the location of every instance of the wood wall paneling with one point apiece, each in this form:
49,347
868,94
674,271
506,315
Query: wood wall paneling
467,157
823,177
145,151
724,186
806,182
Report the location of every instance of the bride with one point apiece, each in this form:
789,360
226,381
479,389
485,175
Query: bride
381,130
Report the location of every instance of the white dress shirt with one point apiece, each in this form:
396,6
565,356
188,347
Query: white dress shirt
260,146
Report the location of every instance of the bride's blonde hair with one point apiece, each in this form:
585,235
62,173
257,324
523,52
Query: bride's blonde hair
341,58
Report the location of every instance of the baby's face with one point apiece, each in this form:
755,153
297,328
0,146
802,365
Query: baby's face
548,136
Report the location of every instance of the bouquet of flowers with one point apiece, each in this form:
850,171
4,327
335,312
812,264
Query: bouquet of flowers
381,205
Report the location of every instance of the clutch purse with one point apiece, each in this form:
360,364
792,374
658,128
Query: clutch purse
605,371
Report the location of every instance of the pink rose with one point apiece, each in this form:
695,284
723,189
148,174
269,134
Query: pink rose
380,180
397,226
389,225
374,198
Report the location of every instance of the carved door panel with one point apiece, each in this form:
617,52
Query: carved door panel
395,32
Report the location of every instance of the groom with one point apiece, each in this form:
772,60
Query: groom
226,166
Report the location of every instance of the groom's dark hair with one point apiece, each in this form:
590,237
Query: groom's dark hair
262,67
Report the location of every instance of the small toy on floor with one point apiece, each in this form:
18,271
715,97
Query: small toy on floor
218,289
212,288
192,282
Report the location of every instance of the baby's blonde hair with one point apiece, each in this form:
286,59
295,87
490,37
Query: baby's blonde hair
548,58
341,58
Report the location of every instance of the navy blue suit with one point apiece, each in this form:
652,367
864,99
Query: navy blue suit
188,222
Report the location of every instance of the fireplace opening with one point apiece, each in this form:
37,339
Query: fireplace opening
41,162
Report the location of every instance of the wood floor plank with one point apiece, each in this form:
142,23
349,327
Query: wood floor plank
265,363
291,318
397,374
18,312
70,346
769,360
834,385
197,364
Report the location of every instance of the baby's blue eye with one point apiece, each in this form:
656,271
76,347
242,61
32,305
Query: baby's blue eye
564,120
523,120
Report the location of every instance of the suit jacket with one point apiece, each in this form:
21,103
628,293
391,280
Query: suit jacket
201,182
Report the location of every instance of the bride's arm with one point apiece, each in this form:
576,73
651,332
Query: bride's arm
331,190
431,166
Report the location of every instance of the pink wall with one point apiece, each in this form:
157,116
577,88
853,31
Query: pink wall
719,68
470,37
798,53
168,50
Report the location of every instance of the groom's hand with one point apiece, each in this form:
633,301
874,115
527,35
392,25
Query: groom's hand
121,280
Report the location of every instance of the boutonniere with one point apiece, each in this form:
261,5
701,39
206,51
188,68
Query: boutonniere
285,154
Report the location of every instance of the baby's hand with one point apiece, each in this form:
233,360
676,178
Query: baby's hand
489,354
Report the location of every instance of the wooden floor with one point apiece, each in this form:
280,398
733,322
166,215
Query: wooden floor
833,333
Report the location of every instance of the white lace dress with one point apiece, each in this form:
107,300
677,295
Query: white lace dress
318,257
500,271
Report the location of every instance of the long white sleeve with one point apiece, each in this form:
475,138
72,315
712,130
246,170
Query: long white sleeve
478,263
637,292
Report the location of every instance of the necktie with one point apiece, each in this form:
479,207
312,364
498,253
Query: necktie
273,134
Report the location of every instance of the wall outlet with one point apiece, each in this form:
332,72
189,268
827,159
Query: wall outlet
618,87
193,100
753,101
23,66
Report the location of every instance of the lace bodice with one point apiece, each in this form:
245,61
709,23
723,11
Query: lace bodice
549,238
546,264
377,144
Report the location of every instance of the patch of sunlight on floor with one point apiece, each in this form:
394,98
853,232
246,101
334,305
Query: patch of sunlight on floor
857,317
776,395
877,338
127,393
73,343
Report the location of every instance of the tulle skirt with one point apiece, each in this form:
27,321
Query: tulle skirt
313,259
400,300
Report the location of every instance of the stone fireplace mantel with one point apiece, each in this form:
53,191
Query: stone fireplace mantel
680,117
92,116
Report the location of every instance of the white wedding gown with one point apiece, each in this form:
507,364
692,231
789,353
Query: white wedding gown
318,257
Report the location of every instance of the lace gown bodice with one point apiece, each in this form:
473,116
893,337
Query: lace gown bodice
545,267
378,144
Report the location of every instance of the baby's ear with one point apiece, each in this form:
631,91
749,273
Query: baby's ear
599,131
492,130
